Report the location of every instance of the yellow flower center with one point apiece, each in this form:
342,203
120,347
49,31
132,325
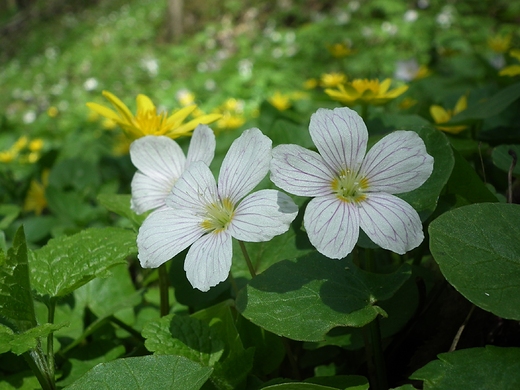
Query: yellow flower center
151,123
219,216
362,85
349,186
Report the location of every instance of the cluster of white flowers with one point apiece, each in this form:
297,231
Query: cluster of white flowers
351,189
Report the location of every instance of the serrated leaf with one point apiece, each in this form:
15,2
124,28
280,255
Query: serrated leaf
475,368
156,372
19,343
478,251
67,263
16,302
304,298
184,336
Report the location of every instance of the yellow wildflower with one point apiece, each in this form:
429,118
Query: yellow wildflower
280,101
108,124
339,50
440,115
310,84
331,80
52,111
36,145
500,43
35,199
230,121
406,103
7,156
366,91
422,72
20,144
185,97
512,70
147,121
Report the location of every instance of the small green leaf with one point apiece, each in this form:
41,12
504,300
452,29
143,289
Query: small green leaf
67,263
184,336
304,298
490,107
475,368
156,372
120,204
19,343
502,158
16,301
478,251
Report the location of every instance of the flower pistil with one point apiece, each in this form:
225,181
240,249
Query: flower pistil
219,216
349,186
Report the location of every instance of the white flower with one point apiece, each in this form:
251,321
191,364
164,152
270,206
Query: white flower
160,162
352,190
205,215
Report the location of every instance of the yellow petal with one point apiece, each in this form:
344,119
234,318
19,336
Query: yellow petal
123,110
144,103
515,53
383,87
439,114
511,70
461,105
452,129
397,91
104,111
175,119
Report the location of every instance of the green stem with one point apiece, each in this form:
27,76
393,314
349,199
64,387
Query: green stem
248,259
377,353
38,365
364,111
126,327
50,338
163,290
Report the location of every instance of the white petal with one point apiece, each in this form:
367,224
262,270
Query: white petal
164,234
391,222
300,171
209,260
148,193
397,163
245,165
158,157
262,215
340,136
202,145
194,190
332,225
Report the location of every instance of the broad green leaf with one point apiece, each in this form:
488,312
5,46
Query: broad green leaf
67,263
184,336
478,251
347,382
475,368
465,182
19,343
9,213
120,204
490,107
24,380
502,158
155,372
424,199
304,298
16,301
233,370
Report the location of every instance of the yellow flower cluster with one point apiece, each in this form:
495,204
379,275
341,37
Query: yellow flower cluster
340,50
23,150
365,91
500,43
35,199
232,114
147,120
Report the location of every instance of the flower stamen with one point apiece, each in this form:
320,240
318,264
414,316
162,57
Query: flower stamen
220,215
349,186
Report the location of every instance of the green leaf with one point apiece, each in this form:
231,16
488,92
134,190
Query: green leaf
465,182
424,199
478,251
156,372
10,212
343,382
304,298
120,204
67,263
475,368
502,158
19,343
490,107
16,302
184,336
